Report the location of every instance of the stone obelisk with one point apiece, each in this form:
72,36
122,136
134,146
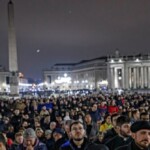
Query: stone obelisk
13,62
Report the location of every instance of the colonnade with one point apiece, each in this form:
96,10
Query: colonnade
139,77
133,77
114,78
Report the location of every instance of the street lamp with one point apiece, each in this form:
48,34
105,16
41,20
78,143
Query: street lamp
65,75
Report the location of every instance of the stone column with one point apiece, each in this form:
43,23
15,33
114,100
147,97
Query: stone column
112,77
145,76
130,86
109,76
116,78
137,77
142,85
126,77
149,77
123,78
134,78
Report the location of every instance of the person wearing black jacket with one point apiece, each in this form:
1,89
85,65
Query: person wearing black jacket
18,140
58,135
141,135
30,141
123,137
79,141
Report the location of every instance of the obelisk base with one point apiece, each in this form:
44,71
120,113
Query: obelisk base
14,87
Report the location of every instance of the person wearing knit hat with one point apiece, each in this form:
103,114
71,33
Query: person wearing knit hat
47,132
59,131
141,136
139,125
31,141
29,133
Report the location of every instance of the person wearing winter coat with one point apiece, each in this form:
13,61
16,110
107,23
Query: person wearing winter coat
79,141
141,137
31,142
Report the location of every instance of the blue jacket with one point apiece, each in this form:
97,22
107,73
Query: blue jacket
86,146
38,146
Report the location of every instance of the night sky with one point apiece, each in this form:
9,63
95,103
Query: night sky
67,31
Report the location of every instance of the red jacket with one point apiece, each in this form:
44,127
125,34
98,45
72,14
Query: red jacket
113,109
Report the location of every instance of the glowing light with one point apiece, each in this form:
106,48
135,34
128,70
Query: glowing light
52,83
91,86
137,60
21,75
112,61
86,81
24,84
45,83
120,60
103,82
65,75
4,84
87,86
119,78
63,80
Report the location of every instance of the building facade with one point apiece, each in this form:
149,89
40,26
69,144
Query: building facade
116,72
132,72
87,74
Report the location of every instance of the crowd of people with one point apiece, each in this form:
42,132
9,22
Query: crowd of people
76,122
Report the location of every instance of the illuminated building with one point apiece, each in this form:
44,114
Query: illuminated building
115,72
